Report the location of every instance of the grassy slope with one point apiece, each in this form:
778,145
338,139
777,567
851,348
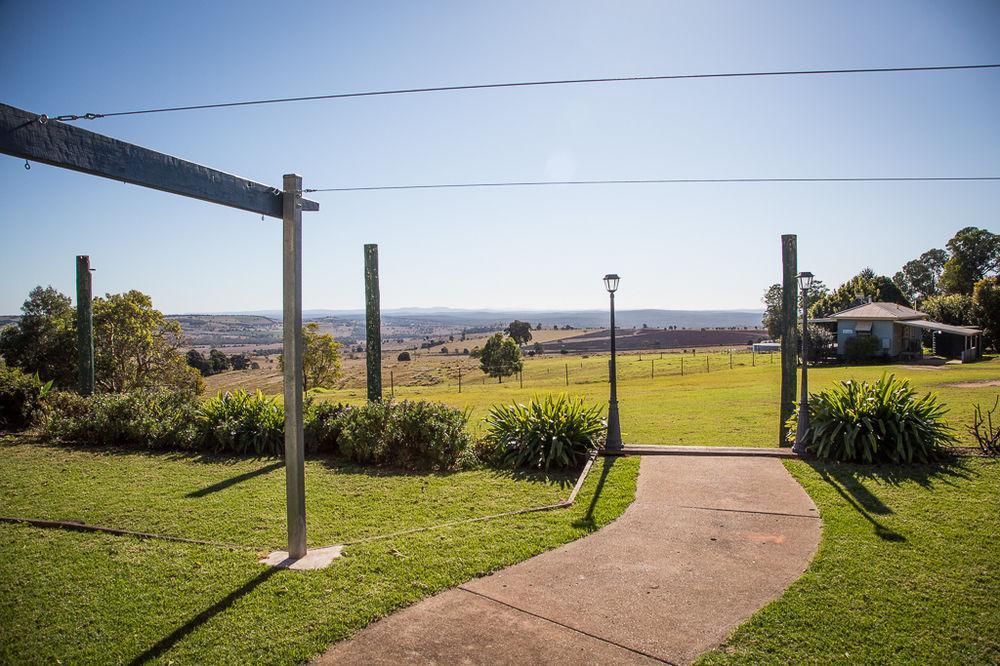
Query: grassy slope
82,597
907,572
723,407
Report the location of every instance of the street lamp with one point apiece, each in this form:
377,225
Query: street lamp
802,422
614,441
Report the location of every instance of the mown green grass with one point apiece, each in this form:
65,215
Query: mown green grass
720,407
95,598
907,571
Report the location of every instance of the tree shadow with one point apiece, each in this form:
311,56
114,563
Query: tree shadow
587,522
201,618
239,478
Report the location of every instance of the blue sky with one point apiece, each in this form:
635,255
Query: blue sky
676,246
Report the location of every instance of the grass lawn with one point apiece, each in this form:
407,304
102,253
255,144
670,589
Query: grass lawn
721,407
908,571
85,597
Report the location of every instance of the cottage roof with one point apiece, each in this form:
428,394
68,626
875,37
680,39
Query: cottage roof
891,311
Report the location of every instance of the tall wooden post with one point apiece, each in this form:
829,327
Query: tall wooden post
295,486
373,324
789,301
84,325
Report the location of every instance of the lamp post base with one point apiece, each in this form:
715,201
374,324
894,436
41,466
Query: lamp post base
801,428
614,440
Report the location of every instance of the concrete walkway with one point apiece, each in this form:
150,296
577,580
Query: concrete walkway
708,541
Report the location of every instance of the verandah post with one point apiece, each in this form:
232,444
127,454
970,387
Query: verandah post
373,324
85,325
295,487
789,351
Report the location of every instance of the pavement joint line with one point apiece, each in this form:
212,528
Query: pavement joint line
763,513
566,626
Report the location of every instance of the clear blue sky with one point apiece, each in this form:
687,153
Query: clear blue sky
676,246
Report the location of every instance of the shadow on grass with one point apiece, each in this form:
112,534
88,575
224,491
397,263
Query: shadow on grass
587,522
201,618
847,480
239,478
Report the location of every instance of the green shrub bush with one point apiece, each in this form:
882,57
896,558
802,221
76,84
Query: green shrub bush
323,425
544,434
21,395
862,348
872,422
148,419
242,422
405,434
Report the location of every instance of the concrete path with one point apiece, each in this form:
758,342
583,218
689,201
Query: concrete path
708,541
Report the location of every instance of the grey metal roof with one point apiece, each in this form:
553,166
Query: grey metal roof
944,328
893,311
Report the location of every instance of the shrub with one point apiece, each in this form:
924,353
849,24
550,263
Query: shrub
881,421
554,432
861,348
322,426
403,356
150,419
20,396
405,434
242,422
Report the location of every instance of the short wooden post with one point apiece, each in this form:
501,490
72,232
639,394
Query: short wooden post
85,324
651,362
753,358
567,374
789,301
392,384
706,364
295,486
730,359
682,366
460,380
520,378
373,324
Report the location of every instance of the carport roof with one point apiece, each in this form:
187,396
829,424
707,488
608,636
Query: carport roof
966,331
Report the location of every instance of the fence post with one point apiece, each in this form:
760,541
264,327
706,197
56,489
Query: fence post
373,324
753,358
392,384
706,364
85,324
682,366
730,359
520,378
459,379
651,362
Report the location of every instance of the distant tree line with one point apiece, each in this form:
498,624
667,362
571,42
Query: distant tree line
216,362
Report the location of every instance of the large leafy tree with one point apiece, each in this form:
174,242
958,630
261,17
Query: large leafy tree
919,277
986,309
772,305
135,346
975,254
954,309
44,340
861,288
520,331
500,357
321,364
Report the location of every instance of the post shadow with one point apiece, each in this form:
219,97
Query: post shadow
201,618
862,501
587,521
222,485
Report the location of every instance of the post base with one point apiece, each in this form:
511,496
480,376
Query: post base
317,558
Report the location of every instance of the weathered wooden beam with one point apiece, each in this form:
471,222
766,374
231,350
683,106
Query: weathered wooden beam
373,324
789,332
30,136
84,325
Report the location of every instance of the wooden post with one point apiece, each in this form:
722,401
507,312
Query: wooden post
392,385
706,363
730,359
753,358
373,324
651,362
567,374
84,325
682,366
520,378
295,487
789,301
459,379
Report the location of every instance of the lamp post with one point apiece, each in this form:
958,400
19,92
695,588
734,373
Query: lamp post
802,422
614,440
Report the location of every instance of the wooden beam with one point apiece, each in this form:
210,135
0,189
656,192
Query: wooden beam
24,135
789,332
373,325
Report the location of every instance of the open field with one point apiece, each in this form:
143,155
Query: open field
717,407
657,338
906,571
85,597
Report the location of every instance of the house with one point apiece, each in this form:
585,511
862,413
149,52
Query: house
900,332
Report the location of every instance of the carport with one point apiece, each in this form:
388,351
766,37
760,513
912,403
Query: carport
962,342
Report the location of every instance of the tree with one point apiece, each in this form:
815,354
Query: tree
500,356
320,358
539,349
136,347
954,309
538,326
239,361
986,309
772,311
44,340
198,361
403,356
863,287
218,361
975,254
520,331
919,277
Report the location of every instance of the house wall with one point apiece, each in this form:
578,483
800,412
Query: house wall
886,331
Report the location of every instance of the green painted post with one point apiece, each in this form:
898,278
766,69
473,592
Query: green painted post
373,325
789,332
85,325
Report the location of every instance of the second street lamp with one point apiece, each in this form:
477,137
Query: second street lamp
614,440
802,421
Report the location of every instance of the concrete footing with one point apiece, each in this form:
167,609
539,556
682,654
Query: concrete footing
316,558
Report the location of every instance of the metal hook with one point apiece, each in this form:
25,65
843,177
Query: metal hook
27,167
43,119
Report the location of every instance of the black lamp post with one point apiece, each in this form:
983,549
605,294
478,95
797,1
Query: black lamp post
802,422
614,441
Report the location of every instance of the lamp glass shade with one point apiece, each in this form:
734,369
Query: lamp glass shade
805,280
611,282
